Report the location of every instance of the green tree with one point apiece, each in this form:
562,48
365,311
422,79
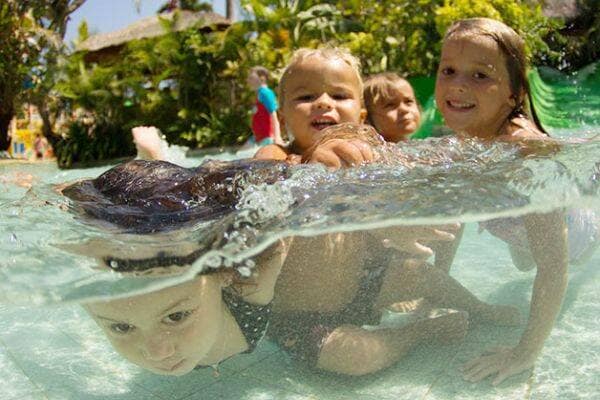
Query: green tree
30,46
179,82
399,35
229,10
525,17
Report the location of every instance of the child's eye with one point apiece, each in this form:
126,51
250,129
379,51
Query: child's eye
305,97
340,96
391,105
177,317
122,328
447,71
410,102
479,75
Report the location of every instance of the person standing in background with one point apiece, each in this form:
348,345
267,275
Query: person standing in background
265,125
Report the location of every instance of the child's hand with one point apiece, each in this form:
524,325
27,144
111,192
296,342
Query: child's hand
502,362
415,239
338,153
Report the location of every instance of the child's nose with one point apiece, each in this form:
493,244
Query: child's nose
324,102
157,348
459,83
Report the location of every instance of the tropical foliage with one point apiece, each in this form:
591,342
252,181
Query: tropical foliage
192,85
175,82
394,35
31,42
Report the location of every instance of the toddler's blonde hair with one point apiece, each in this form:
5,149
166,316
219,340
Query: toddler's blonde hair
325,53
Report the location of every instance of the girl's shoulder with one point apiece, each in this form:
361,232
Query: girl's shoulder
278,152
272,152
521,128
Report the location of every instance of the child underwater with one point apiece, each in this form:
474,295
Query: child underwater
206,320
331,285
326,288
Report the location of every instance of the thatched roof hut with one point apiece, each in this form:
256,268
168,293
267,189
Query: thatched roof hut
107,45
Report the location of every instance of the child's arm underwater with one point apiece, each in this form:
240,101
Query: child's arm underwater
419,241
268,267
547,235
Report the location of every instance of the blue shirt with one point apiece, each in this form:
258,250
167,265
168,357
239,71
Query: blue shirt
267,98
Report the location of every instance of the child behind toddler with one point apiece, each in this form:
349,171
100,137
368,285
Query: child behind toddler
392,108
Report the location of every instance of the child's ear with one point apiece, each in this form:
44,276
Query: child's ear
363,115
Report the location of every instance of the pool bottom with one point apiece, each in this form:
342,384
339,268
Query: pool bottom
59,353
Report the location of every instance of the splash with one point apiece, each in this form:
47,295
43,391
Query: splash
427,182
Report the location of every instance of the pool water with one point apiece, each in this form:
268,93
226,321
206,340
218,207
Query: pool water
51,349
59,352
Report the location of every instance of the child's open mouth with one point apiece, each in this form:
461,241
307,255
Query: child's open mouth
459,105
322,123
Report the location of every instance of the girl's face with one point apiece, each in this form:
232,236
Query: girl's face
254,81
170,331
397,118
472,89
319,93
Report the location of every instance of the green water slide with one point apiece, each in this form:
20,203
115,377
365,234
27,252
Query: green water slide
561,101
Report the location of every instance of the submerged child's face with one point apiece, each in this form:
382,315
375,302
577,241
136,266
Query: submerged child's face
472,89
319,93
168,332
398,117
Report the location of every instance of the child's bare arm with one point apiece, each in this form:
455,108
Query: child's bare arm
419,241
547,234
271,152
352,350
268,266
276,128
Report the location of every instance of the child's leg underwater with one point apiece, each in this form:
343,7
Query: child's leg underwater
412,279
352,350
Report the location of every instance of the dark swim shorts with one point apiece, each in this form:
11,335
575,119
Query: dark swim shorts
302,334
